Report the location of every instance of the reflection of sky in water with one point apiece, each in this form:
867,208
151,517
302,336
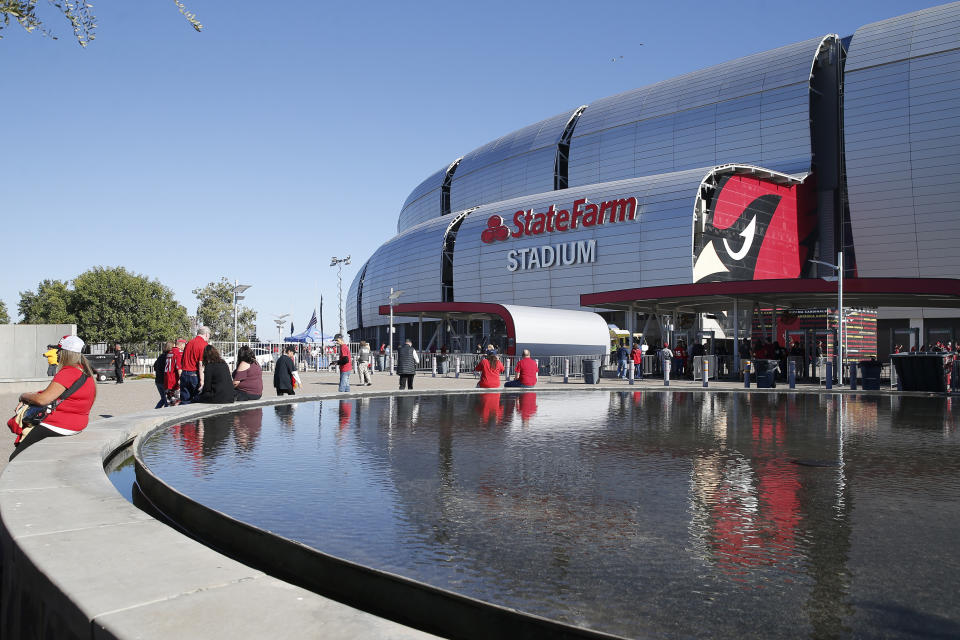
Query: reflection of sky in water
671,514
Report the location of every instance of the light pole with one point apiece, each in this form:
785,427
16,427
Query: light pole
237,290
338,263
393,300
279,321
841,333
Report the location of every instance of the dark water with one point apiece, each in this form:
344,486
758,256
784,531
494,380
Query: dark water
673,515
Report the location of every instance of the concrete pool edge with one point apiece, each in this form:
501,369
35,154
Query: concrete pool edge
79,561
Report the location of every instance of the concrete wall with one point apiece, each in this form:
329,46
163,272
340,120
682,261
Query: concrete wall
22,346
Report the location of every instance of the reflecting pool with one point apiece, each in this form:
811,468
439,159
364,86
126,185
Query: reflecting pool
663,514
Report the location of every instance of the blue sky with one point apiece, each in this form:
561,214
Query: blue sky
270,142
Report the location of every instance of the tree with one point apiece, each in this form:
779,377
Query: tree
79,13
112,304
49,304
216,311
4,316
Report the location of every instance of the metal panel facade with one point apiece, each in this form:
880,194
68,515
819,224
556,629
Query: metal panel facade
655,248
411,262
423,203
754,110
902,135
516,164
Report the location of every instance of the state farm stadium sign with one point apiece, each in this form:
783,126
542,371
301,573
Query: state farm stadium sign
583,214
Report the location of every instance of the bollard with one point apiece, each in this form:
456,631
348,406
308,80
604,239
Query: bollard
829,375
457,363
630,373
391,362
666,372
433,364
705,364
853,376
566,370
792,374
746,375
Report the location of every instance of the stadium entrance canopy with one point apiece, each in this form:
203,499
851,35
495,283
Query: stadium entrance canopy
802,293
546,332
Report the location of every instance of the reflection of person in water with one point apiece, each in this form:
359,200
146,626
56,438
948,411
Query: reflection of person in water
246,428
527,405
284,414
489,408
344,411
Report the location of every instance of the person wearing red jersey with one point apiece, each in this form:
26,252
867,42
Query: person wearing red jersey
527,371
345,361
490,369
173,370
190,366
71,415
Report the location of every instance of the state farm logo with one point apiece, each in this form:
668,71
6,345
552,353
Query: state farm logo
495,230
583,214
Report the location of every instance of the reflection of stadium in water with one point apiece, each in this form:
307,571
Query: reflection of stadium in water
675,514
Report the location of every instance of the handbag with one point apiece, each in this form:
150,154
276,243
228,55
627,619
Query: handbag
27,416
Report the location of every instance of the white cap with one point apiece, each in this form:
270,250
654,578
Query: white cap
71,343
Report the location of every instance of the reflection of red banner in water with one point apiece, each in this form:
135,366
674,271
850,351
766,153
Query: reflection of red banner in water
755,523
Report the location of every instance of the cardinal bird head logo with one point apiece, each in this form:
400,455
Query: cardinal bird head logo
754,230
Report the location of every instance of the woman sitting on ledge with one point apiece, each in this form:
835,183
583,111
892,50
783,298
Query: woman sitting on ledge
217,383
490,369
73,414
248,376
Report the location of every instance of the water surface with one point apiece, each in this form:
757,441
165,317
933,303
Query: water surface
664,514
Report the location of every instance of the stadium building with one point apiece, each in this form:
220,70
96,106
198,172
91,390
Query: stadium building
706,205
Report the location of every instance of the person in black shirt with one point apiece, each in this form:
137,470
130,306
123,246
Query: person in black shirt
217,381
118,358
283,372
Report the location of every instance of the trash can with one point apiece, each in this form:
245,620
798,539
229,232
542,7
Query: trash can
766,373
591,371
870,374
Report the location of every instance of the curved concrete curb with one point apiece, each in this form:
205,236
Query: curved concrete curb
80,561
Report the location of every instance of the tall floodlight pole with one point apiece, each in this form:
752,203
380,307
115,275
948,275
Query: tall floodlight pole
338,263
237,290
279,321
841,332
393,300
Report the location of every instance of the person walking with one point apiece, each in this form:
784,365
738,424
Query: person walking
527,371
636,355
118,357
622,360
283,372
407,361
490,369
363,363
192,355
160,375
345,362
51,355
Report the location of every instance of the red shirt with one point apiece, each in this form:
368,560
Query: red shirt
528,370
170,369
193,353
637,356
74,412
489,375
345,351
